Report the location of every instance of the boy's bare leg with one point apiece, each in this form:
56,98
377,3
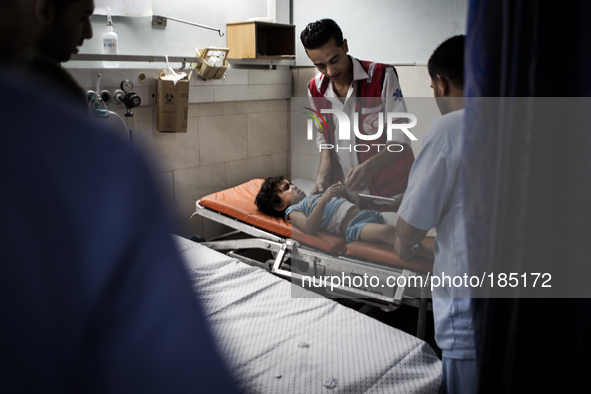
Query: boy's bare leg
375,232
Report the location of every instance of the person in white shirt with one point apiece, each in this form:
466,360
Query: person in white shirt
434,199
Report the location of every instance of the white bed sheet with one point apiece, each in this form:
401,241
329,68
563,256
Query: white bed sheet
274,343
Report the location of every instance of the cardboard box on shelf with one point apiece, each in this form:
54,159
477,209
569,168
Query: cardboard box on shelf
172,102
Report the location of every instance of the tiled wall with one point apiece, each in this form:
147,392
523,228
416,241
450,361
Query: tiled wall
226,144
237,130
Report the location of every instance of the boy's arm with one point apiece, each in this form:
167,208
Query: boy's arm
300,220
310,224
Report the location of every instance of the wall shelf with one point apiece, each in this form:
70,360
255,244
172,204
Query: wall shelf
261,40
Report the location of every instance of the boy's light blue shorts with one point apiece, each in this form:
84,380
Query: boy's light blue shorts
364,217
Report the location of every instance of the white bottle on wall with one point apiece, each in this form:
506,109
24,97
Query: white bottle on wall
110,42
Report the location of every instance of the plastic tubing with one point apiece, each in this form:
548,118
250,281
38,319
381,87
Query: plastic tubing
120,118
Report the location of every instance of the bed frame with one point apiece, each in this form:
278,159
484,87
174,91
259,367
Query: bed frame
275,342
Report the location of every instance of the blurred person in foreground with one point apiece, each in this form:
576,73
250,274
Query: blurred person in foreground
93,294
42,35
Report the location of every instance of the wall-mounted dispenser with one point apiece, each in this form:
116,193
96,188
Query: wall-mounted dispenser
110,42
214,63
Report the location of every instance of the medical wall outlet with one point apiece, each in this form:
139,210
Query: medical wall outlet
105,96
90,96
118,96
131,100
125,95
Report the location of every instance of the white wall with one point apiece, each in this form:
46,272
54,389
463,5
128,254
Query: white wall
137,36
388,31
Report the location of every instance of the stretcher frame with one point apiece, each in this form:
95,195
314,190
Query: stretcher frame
318,264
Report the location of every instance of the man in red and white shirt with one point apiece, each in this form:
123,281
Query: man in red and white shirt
343,79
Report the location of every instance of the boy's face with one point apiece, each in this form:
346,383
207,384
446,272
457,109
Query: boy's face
289,194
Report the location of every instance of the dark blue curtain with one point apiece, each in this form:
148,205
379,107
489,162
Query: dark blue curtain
527,186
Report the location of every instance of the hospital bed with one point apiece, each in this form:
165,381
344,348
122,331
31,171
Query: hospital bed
275,343
305,259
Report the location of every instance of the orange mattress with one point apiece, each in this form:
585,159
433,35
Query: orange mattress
238,203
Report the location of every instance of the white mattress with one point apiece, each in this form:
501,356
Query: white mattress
274,343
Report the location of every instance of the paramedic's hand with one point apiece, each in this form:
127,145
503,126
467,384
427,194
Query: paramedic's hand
396,204
359,177
320,186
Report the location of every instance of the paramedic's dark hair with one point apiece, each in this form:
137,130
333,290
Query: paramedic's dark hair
267,198
318,33
448,61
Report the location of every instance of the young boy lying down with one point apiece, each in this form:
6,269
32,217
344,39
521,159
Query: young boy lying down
328,212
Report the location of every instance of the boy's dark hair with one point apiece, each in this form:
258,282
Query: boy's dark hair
318,33
448,61
267,198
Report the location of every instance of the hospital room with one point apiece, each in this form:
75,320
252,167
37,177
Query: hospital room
292,196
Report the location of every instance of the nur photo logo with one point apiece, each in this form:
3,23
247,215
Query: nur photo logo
344,129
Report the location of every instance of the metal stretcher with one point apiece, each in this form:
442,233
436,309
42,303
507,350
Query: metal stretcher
307,259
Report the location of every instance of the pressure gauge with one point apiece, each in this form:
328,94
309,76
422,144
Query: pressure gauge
126,85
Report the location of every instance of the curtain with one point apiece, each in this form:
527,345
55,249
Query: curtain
526,177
